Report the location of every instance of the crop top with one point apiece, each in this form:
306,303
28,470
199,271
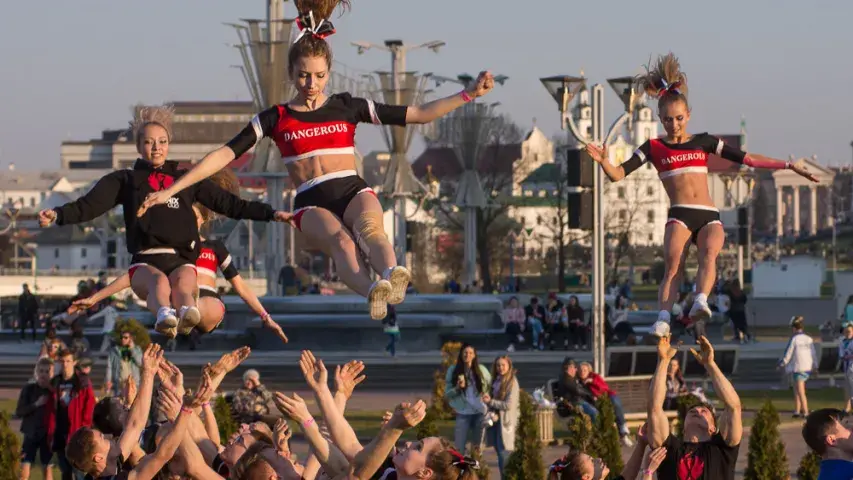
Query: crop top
671,159
328,130
213,256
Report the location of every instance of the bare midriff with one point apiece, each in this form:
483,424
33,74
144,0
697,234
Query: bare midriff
688,189
303,170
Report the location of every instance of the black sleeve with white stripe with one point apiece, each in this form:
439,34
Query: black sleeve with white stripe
262,125
368,111
718,147
226,265
640,157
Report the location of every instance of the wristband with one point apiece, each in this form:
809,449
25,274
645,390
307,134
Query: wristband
307,423
265,316
467,98
205,404
187,410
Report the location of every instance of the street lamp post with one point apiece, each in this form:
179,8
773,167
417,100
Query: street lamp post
563,88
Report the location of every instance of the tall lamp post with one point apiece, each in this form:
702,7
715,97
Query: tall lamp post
467,131
563,89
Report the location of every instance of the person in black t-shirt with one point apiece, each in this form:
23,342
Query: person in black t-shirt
708,447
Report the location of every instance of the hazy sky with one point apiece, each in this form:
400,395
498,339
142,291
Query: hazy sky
73,68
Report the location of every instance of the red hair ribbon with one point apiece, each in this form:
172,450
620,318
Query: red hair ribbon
667,88
307,26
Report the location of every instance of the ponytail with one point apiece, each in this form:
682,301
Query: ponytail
664,80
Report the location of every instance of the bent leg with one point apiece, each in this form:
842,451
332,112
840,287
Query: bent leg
710,242
212,312
363,217
184,281
152,285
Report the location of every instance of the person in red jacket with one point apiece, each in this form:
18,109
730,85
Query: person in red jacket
70,407
597,386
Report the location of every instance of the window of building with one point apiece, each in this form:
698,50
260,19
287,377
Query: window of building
651,237
620,192
650,215
623,215
32,201
650,191
55,253
83,252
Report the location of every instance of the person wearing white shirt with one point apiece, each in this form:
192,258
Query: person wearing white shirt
799,360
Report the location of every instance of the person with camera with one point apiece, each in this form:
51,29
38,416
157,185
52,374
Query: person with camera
125,359
502,401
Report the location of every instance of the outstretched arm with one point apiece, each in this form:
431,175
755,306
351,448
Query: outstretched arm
657,428
438,108
113,288
138,415
730,422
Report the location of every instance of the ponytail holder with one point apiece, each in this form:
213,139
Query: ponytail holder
462,462
308,26
674,88
559,465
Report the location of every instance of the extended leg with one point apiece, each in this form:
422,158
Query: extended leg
676,241
151,284
184,281
710,242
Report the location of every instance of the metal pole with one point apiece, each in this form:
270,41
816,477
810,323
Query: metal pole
740,264
598,253
251,252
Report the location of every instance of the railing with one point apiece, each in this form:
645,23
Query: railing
84,274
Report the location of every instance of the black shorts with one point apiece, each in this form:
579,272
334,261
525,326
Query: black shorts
205,293
694,218
36,445
333,191
165,262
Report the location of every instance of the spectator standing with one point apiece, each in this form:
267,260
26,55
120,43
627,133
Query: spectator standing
28,310
124,360
70,408
799,360
503,403
465,385
31,409
251,402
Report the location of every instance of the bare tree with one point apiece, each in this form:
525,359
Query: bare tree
493,223
627,219
557,224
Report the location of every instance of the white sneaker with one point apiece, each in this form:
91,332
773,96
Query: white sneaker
660,329
190,316
167,320
626,441
377,297
399,277
510,348
700,312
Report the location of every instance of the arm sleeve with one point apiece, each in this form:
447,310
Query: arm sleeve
262,125
718,147
641,155
97,201
368,111
223,202
226,266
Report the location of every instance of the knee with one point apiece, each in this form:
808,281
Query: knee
370,228
343,241
708,254
185,281
160,282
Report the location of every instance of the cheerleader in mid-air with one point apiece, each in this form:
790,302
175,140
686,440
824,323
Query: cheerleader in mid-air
213,256
315,134
164,245
681,160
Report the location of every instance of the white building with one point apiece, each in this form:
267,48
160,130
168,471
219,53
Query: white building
69,247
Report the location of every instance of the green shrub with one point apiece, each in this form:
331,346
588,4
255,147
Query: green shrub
605,436
809,466
767,458
224,418
10,449
525,462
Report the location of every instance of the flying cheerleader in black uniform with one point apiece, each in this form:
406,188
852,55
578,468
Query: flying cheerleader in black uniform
164,244
315,135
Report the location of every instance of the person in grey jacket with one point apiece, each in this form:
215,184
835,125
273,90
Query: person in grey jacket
503,403
125,359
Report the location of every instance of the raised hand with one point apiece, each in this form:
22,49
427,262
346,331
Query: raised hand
281,435
598,154
268,322
151,359
314,371
652,459
229,361
801,168
705,355
294,407
484,84
202,394
130,390
155,198
47,217
349,376
408,415
386,417
169,404
665,350
172,378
